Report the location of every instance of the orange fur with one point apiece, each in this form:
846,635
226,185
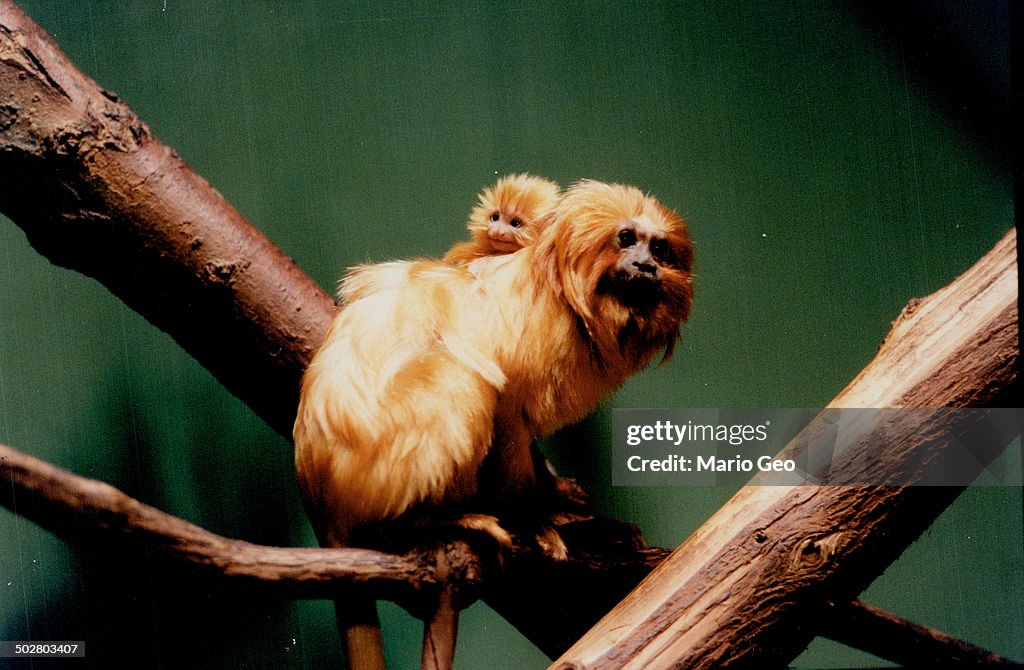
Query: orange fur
429,368
434,379
507,217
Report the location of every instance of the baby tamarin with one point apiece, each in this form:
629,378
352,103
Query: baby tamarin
433,381
506,218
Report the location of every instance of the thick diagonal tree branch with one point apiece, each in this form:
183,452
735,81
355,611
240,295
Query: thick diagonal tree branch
94,191
748,589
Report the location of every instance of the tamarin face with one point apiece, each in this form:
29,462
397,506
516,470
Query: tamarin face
642,257
510,214
623,261
505,231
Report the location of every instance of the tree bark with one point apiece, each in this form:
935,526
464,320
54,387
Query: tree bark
888,636
90,511
94,191
433,581
749,588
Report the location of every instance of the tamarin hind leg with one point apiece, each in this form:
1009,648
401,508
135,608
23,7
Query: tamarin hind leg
360,632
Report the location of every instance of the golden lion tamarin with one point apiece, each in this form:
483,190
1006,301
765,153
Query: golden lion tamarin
506,218
433,381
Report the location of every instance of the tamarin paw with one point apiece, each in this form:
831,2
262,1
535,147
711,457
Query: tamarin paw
551,543
488,524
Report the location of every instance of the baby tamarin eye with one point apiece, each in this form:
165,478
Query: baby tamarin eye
627,238
515,223
495,216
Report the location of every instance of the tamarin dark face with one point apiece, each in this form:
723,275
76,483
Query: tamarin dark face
640,251
623,261
644,255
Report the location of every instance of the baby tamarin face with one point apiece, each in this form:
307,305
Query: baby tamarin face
508,217
509,214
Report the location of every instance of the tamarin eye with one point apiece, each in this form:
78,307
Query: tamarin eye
659,248
627,238
515,223
495,216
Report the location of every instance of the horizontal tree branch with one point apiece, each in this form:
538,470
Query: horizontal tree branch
449,571
893,638
88,510
425,581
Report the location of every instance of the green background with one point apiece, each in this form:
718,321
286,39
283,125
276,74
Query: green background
833,160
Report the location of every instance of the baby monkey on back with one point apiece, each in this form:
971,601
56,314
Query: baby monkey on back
508,217
433,381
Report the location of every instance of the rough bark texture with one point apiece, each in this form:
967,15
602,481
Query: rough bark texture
748,589
96,192
90,511
433,581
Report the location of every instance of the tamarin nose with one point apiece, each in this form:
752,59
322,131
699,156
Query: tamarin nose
646,268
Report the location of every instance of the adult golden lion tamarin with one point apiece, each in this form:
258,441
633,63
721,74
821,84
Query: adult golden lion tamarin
507,217
433,381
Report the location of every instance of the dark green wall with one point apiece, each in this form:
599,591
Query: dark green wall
833,161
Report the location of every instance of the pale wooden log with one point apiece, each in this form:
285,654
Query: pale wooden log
749,587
